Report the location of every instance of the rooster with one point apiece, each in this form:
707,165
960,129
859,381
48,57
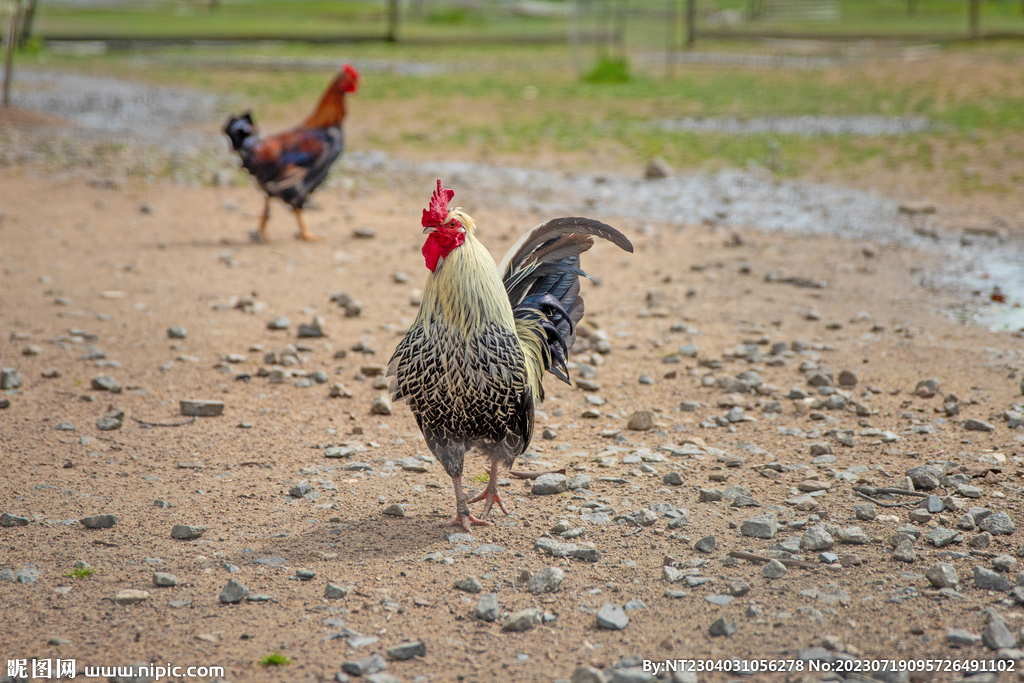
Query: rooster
472,363
292,164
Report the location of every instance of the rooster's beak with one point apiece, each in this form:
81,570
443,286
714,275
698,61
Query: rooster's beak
429,229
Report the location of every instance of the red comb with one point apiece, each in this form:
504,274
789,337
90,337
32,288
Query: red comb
351,71
434,216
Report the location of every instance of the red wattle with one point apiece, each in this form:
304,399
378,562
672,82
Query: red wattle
439,244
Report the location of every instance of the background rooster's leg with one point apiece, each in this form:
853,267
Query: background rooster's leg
490,494
303,230
463,517
263,220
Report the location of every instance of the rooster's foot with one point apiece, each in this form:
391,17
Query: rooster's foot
466,520
491,497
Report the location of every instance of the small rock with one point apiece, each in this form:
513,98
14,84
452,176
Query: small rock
546,581
974,425
816,538
658,169
673,479
106,383
99,521
487,610
588,674
9,378
905,552
339,391
381,405
996,634
924,478
233,592
942,575
130,596
164,580
312,330
986,579
365,666
470,584
941,537
641,421
195,408
176,332
927,388
9,520
522,620
774,570
279,323
706,544
998,523
549,484
394,510
335,592
406,651
612,617
865,511
185,532
762,526
721,627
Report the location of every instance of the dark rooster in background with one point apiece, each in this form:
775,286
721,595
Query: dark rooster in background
471,365
292,164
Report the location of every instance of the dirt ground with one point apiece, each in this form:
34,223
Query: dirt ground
89,268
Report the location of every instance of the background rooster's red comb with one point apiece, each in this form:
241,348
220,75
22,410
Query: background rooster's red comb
351,71
434,215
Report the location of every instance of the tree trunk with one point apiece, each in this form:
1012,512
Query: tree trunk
393,11
9,41
974,7
691,22
27,19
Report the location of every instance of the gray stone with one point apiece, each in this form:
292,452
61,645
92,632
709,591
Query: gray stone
612,617
959,636
185,532
933,504
394,510
299,490
111,421
904,551
279,323
233,592
996,634
305,574
164,580
641,421
673,479
176,332
815,539
986,579
312,330
774,570
557,549
9,379
940,537
721,627
762,526
709,495
9,520
865,511
1004,563
546,581
487,609
965,522
853,535
99,521
197,408
998,523
335,592
927,388
381,405
942,575
405,651
975,425
706,544
968,491
924,478
982,540
365,666
579,481
847,378
588,674
470,584
520,621
549,484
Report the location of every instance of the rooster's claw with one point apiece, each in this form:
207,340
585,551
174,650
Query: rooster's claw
491,497
466,520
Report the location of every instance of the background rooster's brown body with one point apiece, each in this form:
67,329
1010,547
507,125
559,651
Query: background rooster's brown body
472,364
291,165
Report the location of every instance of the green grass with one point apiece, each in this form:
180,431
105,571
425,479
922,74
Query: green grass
81,573
275,659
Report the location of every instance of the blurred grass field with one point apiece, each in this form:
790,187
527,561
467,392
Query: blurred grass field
530,104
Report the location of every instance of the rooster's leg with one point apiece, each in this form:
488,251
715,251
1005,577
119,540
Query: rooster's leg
263,221
462,516
303,230
490,494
